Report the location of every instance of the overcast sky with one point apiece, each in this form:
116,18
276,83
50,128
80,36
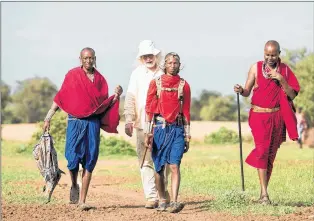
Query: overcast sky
217,41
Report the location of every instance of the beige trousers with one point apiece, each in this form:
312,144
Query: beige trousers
147,171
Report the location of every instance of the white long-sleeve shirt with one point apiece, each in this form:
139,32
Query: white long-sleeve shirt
135,100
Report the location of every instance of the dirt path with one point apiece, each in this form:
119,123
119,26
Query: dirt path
114,202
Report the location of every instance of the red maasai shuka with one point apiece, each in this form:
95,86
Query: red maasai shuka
81,98
168,105
268,129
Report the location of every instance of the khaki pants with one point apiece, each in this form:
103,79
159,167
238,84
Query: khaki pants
147,171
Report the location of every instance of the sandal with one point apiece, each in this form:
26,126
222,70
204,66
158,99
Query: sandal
85,207
175,207
74,194
263,200
162,207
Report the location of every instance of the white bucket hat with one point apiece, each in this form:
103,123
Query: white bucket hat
147,47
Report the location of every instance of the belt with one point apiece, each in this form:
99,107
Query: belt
264,110
164,122
161,119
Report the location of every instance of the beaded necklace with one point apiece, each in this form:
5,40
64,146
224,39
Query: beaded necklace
265,72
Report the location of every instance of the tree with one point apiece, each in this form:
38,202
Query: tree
5,99
219,109
198,103
301,62
32,99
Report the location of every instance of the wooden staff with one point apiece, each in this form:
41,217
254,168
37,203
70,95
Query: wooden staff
149,135
240,140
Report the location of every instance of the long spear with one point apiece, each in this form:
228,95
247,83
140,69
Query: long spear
240,140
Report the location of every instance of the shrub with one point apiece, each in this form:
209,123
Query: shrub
115,146
108,146
222,136
57,128
57,131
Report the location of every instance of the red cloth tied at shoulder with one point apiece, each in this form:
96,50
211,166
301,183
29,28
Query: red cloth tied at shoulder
82,98
286,105
269,94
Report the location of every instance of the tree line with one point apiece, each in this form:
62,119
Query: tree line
32,98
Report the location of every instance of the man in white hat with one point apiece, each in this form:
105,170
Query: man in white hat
134,110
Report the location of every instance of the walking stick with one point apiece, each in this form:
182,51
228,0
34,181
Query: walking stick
151,124
240,140
144,157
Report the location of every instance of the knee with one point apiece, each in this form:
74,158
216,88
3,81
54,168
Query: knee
174,168
75,169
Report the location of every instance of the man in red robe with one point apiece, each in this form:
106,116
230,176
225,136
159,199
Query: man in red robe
274,87
84,97
168,111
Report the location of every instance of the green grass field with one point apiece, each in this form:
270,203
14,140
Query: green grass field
212,171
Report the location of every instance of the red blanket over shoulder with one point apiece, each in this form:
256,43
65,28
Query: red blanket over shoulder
268,94
80,97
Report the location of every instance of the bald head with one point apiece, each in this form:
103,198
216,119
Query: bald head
272,44
271,53
87,49
88,59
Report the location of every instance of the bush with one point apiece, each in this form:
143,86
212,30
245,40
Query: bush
222,136
57,128
108,146
57,131
115,146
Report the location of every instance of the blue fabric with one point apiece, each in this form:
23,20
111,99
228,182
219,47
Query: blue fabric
82,142
168,145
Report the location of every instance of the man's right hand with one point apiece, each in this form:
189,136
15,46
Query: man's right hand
129,129
46,126
238,88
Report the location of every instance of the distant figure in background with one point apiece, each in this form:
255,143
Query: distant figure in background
274,87
301,125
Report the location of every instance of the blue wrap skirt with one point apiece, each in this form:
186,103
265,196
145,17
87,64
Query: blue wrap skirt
82,142
168,144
